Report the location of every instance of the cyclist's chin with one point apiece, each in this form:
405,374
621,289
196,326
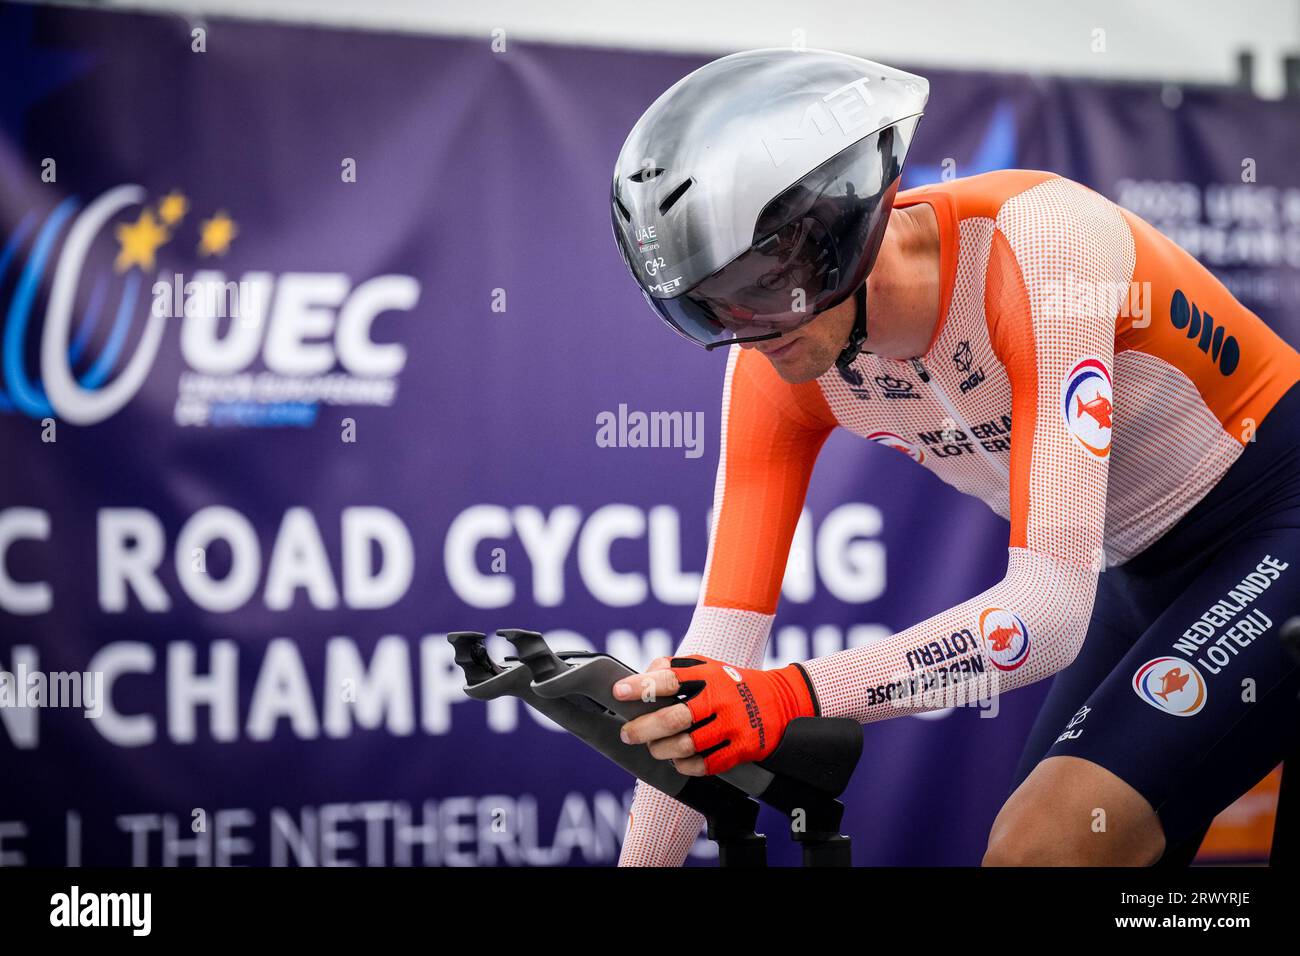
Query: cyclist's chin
802,365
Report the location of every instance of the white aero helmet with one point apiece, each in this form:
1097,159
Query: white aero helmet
754,193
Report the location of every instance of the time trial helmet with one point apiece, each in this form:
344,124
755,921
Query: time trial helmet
754,192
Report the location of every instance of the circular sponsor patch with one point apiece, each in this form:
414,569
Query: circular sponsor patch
1086,403
899,443
1006,638
1172,685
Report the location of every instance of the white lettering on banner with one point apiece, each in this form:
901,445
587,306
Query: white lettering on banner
476,524
282,691
192,545
304,309
305,305
382,694
204,349
120,659
132,546
852,568
841,552
606,525
21,724
546,540
352,691
668,583
23,597
358,352
299,561
218,558
457,830
364,586
187,690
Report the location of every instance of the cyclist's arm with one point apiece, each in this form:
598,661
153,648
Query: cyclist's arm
772,434
1058,263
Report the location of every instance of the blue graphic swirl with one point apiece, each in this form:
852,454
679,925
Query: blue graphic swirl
28,397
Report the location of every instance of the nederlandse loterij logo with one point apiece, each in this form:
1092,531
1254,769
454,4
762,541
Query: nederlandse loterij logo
899,443
267,349
1086,403
1006,638
1172,685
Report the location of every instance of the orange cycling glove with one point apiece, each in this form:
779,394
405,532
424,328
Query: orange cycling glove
740,713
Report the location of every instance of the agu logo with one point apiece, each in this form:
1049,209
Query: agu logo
898,443
1172,685
1006,638
1086,403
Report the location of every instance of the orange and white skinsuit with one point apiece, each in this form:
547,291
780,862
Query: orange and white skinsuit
1092,378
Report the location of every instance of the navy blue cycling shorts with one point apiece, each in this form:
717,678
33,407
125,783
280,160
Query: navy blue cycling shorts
1183,688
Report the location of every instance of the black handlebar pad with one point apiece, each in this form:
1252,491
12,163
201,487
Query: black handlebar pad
811,766
730,812
821,752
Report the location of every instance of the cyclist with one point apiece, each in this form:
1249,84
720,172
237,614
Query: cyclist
1146,457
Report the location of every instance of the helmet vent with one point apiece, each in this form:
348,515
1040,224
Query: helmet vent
622,210
645,174
671,199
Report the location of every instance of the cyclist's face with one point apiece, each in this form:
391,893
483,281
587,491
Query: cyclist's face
809,351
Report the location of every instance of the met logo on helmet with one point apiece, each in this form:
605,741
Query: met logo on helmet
845,108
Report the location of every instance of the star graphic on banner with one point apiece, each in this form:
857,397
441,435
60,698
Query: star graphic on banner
173,207
138,242
216,234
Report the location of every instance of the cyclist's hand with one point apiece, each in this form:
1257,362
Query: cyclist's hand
727,716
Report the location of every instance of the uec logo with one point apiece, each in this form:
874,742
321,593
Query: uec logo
303,324
1171,685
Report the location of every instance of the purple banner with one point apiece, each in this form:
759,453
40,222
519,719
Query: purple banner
316,346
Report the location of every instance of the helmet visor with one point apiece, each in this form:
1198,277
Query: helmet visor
772,288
